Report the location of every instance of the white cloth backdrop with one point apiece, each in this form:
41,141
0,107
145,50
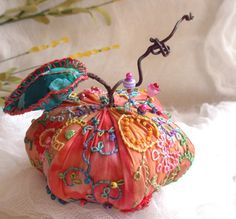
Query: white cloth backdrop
200,69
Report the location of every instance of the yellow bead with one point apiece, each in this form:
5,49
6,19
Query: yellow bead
127,134
114,185
126,128
126,123
132,140
73,95
151,99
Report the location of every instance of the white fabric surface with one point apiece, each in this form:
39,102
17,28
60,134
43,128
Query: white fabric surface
208,190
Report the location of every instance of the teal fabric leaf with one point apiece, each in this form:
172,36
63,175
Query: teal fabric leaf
46,87
59,84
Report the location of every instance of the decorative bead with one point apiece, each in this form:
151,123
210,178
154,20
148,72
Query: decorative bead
153,89
142,109
96,89
48,190
114,185
132,140
82,96
62,201
53,197
112,137
151,99
69,134
87,180
107,205
104,100
93,108
154,110
95,121
126,128
137,175
79,113
73,95
126,123
129,82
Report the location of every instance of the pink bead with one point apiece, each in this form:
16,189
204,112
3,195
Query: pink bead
96,89
143,107
129,82
153,89
129,76
82,96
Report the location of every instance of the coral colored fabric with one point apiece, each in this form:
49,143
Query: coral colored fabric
136,169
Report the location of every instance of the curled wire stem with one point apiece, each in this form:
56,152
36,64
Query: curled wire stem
159,47
108,88
100,80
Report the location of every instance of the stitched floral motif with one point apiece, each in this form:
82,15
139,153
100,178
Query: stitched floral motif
138,133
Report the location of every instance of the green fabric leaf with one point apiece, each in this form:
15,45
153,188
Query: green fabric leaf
105,15
42,19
